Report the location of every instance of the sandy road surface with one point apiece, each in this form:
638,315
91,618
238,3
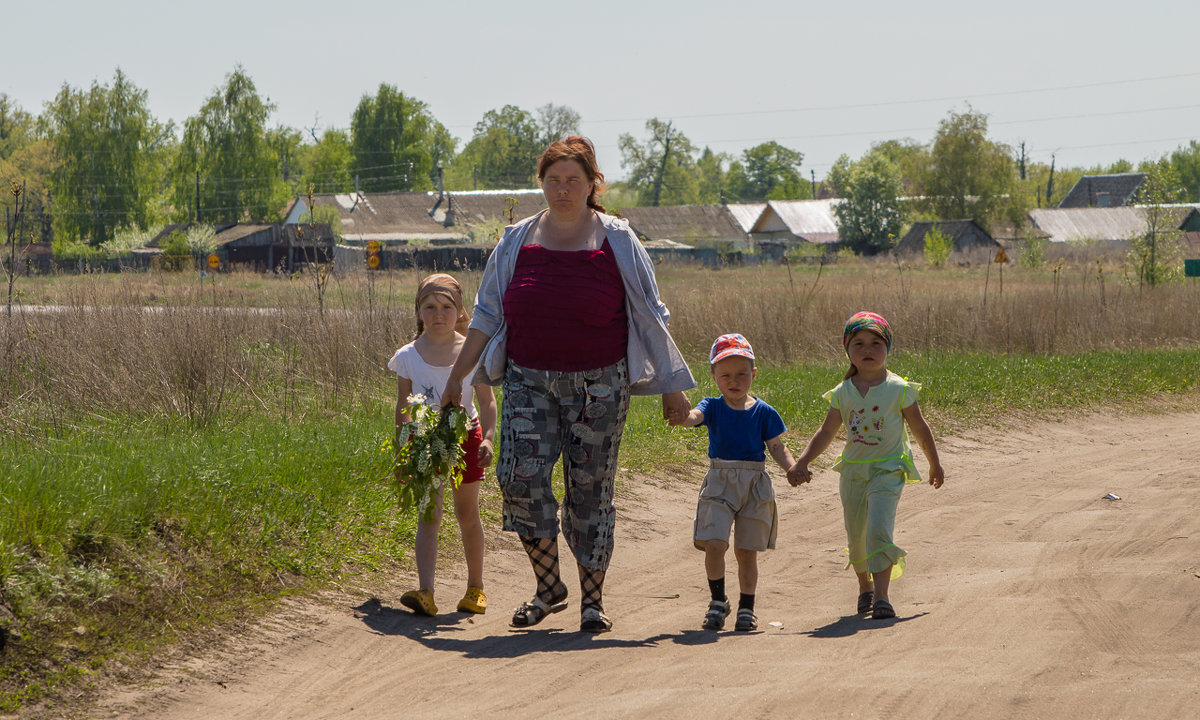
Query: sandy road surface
1028,595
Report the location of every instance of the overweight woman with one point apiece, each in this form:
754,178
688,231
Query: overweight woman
569,322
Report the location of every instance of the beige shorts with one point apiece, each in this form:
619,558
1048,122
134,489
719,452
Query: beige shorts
737,496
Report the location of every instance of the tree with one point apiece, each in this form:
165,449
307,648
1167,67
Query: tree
30,167
1157,254
556,122
1185,161
869,217
16,136
226,158
910,158
969,176
327,163
661,169
710,170
838,177
107,144
772,172
395,144
16,127
285,142
502,154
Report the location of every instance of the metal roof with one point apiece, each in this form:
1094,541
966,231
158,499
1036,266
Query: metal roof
684,222
746,214
1075,224
1114,190
811,220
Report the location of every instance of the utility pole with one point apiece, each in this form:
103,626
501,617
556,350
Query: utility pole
814,182
1050,184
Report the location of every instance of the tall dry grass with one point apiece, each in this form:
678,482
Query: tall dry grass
148,346
159,344
798,316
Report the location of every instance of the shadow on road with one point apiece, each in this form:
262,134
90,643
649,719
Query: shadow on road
436,633
851,624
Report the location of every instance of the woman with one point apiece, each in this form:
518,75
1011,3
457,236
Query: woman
569,320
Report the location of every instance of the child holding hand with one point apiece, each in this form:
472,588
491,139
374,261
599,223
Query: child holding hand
737,494
873,404
423,368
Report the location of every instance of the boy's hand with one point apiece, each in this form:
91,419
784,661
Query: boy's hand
799,474
675,407
937,476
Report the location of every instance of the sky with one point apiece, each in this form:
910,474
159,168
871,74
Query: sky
1086,82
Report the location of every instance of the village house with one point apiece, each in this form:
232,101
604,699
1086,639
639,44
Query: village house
791,222
967,236
399,218
1103,191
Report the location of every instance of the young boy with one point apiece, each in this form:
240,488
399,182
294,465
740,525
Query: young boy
737,493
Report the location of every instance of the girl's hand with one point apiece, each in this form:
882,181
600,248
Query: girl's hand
937,476
485,453
799,474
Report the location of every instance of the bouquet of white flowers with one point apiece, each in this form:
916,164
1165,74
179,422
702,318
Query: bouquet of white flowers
428,451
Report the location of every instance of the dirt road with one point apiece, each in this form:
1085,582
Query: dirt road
1028,594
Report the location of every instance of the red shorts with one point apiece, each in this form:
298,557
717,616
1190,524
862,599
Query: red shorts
473,472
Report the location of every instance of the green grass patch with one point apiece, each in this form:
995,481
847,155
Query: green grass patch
115,535
959,391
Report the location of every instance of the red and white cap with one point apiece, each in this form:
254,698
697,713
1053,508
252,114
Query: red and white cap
728,346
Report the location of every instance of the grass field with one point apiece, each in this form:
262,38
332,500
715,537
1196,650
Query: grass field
166,470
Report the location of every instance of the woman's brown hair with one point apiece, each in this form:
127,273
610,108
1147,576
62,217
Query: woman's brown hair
580,150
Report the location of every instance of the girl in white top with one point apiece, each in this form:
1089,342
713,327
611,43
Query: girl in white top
423,368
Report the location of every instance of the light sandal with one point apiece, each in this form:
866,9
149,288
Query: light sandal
594,621
535,611
714,619
420,602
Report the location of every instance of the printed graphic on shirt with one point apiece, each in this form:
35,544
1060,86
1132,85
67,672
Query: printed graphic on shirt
866,430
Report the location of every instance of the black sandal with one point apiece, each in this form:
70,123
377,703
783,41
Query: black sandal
714,619
865,601
883,610
746,620
535,611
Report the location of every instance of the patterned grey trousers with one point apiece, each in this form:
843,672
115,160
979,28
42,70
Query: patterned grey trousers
578,416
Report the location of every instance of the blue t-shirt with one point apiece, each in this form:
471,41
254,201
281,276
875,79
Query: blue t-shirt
739,434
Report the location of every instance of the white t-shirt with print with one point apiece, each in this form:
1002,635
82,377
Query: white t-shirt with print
430,380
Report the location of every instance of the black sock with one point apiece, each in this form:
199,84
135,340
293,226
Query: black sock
717,588
746,601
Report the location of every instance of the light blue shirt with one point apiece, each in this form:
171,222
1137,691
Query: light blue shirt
655,363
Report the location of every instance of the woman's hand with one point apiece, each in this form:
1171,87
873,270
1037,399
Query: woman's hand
452,395
675,407
485,453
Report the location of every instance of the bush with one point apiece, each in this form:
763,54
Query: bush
938,247
177,255
1033,251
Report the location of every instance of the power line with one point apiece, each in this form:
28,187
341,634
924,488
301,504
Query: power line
889,103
